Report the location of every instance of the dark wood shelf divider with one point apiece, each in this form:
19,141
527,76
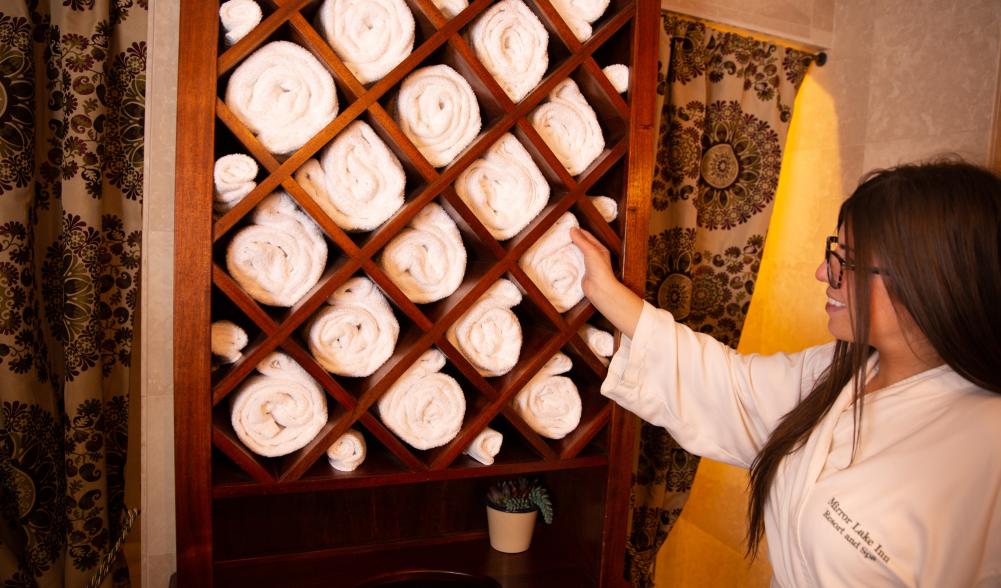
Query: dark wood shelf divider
249,520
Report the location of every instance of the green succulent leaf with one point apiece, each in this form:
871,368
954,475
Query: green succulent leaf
521,495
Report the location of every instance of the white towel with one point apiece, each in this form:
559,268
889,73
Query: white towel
579,14
549,403
357,333
370,36
555,264
513,45
437,110
450,8
348,452
489,334
358,181
427,260
279,411
234,177
279,257
283,94
618,75
228,340
485,446
504,189
238,17
424,407
607,207
567,124
602,343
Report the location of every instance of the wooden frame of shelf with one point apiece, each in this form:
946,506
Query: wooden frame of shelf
218,480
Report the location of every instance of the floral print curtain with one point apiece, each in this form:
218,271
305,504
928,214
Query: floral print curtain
72,94
725,102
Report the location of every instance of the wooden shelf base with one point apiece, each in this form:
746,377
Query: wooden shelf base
551,561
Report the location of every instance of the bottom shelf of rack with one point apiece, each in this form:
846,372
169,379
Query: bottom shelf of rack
554,559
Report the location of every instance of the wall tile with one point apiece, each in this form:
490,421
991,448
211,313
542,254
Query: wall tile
791,11
158,570
764,21
849,81
853,28
904,7
971,145
158,468
823,15
158,314
930,75
852,158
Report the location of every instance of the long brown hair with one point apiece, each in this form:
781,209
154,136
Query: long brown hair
935,229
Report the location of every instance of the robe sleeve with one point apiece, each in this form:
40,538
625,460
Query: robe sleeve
714,401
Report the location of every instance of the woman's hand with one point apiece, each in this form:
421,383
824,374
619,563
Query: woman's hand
612,298
598,274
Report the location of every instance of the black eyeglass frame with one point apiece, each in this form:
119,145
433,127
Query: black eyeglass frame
843,264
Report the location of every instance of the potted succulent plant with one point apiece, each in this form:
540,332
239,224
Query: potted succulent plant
512,507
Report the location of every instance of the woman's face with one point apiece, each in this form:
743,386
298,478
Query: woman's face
839,305
885,327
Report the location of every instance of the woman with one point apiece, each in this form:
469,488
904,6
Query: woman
911,493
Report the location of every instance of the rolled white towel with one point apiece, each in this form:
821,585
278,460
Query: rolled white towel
504,188
228,340
234,177
437,110
450,8
513,45
555,264
424,407
602,343
357,333
489,334
427,260
358,181
370,36
567,124
279,411
238,17
618,75
485,446
607,207
348,452
549,403
579,14
283,94
279,257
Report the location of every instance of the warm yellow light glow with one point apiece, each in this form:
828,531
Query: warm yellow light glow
787,309
787,314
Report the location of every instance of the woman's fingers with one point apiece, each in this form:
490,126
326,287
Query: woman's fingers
587,242
597,260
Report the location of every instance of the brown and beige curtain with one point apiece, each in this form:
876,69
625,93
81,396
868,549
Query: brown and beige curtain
725,102
72,95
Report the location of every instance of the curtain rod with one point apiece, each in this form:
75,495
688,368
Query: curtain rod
819,52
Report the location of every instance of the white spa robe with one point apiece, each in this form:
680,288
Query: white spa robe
920,505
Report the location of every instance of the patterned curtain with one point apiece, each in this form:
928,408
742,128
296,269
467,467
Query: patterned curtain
72,94
725,102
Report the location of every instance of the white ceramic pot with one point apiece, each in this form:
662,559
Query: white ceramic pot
510,532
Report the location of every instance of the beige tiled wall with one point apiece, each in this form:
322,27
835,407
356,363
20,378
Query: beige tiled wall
158,550
905,79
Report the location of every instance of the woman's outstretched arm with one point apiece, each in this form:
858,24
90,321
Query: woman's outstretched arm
714,401
612,298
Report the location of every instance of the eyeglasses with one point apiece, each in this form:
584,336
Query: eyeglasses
836,265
